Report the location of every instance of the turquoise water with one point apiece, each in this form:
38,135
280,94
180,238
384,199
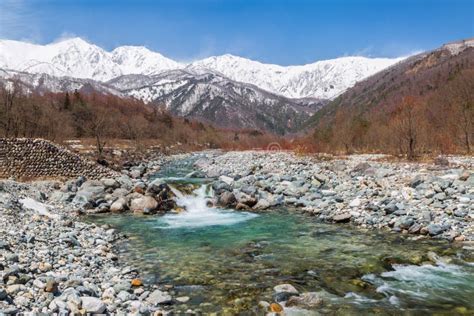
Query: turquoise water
236,264
227,261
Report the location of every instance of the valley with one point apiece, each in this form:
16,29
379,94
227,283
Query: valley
277,158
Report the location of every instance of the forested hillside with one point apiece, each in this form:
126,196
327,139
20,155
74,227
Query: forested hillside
424,104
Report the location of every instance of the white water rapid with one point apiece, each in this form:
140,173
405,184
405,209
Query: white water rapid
197,214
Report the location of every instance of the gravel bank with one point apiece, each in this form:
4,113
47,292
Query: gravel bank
412,198
52,262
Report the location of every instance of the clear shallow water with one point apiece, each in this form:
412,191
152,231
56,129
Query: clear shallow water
227,261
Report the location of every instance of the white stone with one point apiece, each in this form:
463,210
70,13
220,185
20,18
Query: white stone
226,179
158,297
287,288
92,305
355,202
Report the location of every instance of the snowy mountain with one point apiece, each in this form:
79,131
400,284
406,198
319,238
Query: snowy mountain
208,97
323,79
80,59
227,90
212,97
42,82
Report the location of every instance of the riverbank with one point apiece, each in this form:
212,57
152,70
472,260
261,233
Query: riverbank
412,198
55,262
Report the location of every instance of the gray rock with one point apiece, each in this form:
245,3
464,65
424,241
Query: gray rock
122,286
262,204
287,288
125,296
342,218
361,167
110,183
221,186
145,204
406,222
125,182
227,199
460,213
158,297
227,180
93,305
435,229
119,205
3,294
89,192
310,300
440,196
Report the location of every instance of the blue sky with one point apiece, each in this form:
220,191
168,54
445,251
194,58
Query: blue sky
276,31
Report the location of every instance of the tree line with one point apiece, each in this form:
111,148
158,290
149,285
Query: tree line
440,121
105,117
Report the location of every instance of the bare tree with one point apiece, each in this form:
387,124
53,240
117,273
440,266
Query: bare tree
407,126
10,92
461,99
100,125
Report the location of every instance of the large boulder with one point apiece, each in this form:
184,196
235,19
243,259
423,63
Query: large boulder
89,193
125,182
119,205
156,186
145,204
110,183
262,204
245,199
162,193
227,199
221,186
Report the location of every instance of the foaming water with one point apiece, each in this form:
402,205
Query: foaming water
197,214
440,283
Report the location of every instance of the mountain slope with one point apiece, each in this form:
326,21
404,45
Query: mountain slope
214,98
41,83
323,79
78,58
208,97
433,89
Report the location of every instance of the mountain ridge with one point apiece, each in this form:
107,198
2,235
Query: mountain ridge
78,58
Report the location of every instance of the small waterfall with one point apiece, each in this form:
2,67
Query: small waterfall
176,192
197,214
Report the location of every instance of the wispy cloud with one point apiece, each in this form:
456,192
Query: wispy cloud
67,35
18,21
366,51
389,50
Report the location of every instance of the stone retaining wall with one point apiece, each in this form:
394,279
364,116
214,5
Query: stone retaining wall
37,158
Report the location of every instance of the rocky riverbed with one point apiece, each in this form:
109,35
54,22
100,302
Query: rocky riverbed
412,198
52,261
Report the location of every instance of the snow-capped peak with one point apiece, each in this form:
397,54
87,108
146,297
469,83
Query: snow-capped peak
323,79
141,60
78,58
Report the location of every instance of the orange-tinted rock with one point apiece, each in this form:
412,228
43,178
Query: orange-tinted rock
276,308
136,282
